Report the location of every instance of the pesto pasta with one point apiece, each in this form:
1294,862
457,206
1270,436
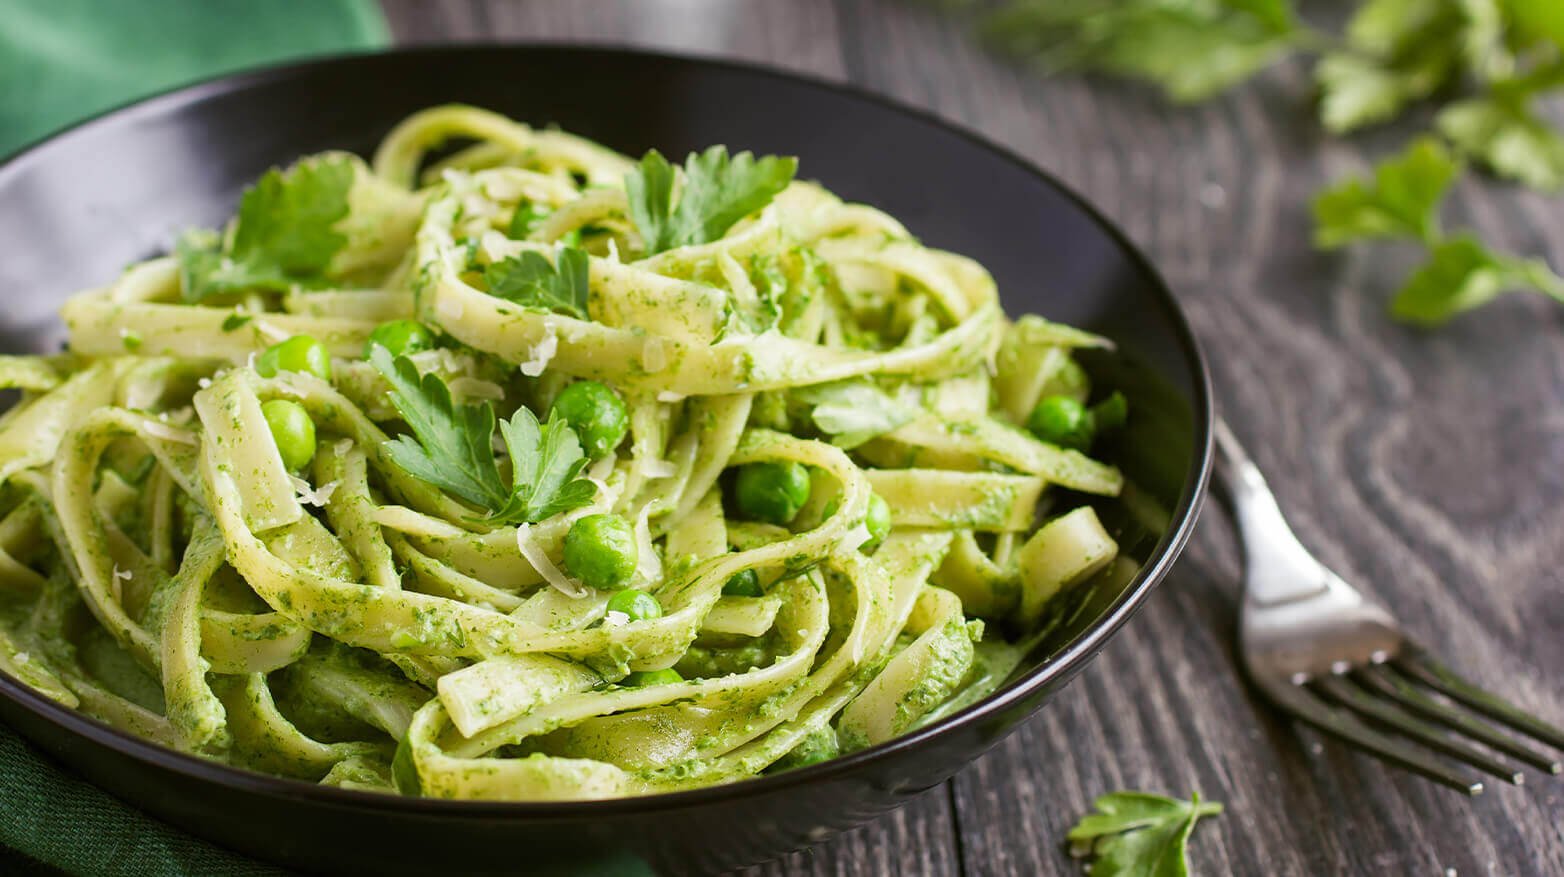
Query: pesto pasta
503,466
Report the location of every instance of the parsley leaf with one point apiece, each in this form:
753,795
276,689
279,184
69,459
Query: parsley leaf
1140,834
1193,49
546,465
1508,137
1398,51
284,235
855,411
452,448
526,219
718,192
1462,274
529,280
1402,200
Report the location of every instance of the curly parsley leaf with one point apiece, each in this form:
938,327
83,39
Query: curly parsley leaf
853,412
1138,834
1401,201
546,465
1193,49
452,448
284,235
531,281
1462,274
718,192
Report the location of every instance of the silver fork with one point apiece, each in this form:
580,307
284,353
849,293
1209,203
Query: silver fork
1334,659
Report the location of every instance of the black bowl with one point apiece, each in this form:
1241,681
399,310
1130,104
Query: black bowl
77,207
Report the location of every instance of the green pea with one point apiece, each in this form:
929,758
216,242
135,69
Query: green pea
877,520
653,677
596,413
292,430
1062,421
600,550
301,353
745,583
639,605
771,492
400,337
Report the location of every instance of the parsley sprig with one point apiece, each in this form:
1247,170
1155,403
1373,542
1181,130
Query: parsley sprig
718,191
531,281
452,448
285,234
1402,202
1490,61
1137,833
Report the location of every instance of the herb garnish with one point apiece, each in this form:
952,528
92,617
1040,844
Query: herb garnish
284,235
717,192
1138,834
452,447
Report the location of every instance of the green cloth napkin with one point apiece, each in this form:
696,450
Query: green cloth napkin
63,60
60,61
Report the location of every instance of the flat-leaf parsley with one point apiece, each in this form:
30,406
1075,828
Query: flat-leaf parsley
718,191
452,448
1138,834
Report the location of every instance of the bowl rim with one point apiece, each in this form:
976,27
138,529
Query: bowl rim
1059,669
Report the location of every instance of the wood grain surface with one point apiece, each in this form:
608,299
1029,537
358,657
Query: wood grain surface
1428,468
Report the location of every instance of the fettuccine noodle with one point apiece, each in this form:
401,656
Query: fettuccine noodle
165,570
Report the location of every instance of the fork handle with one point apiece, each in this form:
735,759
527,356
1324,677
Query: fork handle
1278,569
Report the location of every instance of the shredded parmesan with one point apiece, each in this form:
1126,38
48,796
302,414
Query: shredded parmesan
613,250
120,575
615,619
648,566
497,247
270,332
669,396
539,356
315,496
658,468
204,383
854,539
535,555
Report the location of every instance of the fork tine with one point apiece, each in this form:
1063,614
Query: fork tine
1420,666
1391,685
1387,713
1307,707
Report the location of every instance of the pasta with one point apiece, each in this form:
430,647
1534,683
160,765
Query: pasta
503,466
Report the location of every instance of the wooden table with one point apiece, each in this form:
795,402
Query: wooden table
1428,467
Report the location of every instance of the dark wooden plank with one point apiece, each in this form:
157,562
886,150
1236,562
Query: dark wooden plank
1424,466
